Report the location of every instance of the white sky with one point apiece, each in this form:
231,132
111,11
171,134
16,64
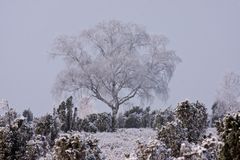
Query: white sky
205,34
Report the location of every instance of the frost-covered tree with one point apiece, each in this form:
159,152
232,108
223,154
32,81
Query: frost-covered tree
86,107
115,62
228,97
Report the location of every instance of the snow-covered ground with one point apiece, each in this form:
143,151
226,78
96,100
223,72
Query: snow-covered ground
115,145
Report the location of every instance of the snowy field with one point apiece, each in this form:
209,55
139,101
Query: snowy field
115,145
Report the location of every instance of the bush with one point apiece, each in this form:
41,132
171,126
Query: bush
27,113
229,131
37,147
67,115
47,126
154,150
101,122
194,118
72,147
133,121
13,140
88,126
173,134
161,118
8,117
136,118
104,122
206,150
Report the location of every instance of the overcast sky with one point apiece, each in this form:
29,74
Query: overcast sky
204,33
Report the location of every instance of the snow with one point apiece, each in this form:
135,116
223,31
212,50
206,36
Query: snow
124,141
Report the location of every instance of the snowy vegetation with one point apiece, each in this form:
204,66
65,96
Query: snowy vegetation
62,135
114,63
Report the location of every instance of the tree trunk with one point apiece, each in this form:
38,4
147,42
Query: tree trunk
114,119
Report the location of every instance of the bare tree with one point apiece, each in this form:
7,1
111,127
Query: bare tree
115,62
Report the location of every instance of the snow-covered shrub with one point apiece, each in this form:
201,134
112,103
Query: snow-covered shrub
13,140
27,113
146,118
207,150
191,151
212,144
161,118
67,115
88,126
73,147
9,116
47,126
133,117
229,131
37,147
154,150
173,134
137,117
194,118
101,122
133,121
104,122
5,145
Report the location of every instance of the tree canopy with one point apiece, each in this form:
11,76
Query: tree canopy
115,62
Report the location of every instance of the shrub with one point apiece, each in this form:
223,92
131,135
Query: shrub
161,118
47,126
137,118
88,126
27,113
72,147
8,117
154,150
101,122
194,118
104,122
206,150
36,147
133,121
229,131
173,134
67,115
13,140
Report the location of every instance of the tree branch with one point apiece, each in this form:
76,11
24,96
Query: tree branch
129,96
